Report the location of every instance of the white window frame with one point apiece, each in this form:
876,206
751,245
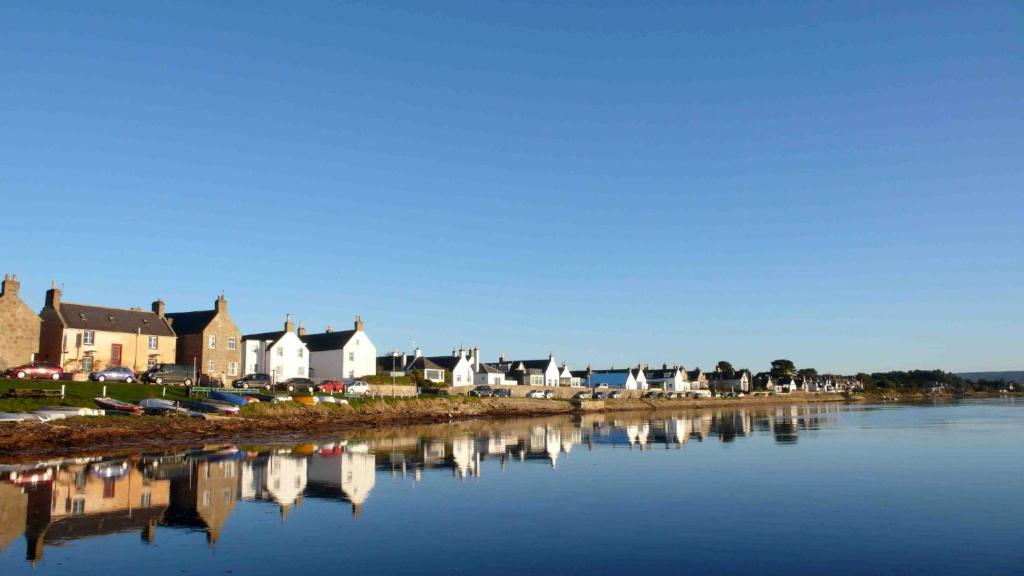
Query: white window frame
210,367
154,343
232,368
232,343
211,342
89,338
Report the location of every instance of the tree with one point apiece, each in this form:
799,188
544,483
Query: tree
807,372
783,367
725,367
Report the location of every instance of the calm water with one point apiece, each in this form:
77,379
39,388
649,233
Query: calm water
793,489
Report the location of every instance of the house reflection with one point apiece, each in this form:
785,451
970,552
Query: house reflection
199,489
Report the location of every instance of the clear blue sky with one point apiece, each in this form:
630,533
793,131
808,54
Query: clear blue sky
617,182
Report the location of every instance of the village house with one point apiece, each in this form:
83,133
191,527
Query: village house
668,378
340,354
785,385
762,381
454,370
19,326
280,354
488,375
531,372
737,381
565,377
83,338
208,340
618,378
698,379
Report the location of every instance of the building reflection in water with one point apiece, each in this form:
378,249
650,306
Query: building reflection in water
197,490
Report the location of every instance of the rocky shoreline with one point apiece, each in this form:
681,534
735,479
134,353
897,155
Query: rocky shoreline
273,423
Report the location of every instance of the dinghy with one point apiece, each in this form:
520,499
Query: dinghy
231,398
117,405
311,400
209,407
17,417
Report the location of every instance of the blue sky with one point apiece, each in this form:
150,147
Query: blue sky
616,182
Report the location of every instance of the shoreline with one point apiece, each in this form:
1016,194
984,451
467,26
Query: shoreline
284,422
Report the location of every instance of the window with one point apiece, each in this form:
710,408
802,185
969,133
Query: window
88,338
213,341
232,343
151,363
210,367
232,368
351,356
147,499
280,351
301,352
301,371
87,364
154,342
78,507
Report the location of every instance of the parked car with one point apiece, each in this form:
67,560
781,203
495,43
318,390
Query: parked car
652,394
432,391
114,374
297,385
582,395
673,395
330,386
49,370
600,395
357,387
535,394
549,393
255,381
615,395
502,393
482,391
168,374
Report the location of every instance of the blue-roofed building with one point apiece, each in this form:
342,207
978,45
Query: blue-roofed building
622,379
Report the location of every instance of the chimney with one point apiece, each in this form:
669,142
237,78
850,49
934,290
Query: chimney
53,296
455,353
359,323
664,366
302,329
10,286
221,304
462,351
476,359
289,326
501,358
158,308
329,329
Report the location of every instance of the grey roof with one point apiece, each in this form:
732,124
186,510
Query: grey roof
83,316
327,340
272,336
191,322
487,368
446,362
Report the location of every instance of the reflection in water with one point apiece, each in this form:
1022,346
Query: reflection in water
53,502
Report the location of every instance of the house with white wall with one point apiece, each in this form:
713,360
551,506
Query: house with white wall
668,378
532,372
618,378
281,354
488,375
738,381
340,354
454,370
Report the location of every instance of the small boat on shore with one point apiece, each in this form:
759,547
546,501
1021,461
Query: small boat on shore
209,407
118,405
232,398
161,407
74,410
49,415
17,417
310,400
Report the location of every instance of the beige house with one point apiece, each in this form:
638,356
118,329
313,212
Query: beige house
83,338
208,340
19,326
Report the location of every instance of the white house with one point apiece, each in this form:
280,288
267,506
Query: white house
566,378
621,378
670,379
280,354
733,382
341,354
532,372
488,375
455,370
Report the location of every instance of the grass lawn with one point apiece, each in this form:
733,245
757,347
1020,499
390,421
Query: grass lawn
81,393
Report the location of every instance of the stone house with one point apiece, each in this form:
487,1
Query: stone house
19,326
209,340
83,338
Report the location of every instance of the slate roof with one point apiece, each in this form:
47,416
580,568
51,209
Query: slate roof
191,322
85,317
272,336
487,368
447,362
327,340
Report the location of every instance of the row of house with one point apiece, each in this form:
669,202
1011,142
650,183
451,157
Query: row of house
81,338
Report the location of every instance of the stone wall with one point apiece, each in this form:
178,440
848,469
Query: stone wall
19,327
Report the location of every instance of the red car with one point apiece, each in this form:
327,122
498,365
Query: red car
48,370
331,386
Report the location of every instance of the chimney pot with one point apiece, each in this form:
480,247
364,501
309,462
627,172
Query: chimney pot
159,307
359,323
289,326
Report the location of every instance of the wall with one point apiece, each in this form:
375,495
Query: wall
292,365
365,357
19,329
135,350
326,365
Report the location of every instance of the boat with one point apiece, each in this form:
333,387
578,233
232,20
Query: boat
327,399
114,404
209,407
161,407
17,417
272,398
49,415
73,410
311,400
231,398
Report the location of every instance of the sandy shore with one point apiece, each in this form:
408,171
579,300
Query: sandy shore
265,423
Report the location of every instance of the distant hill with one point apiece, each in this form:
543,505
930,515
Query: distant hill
1009,376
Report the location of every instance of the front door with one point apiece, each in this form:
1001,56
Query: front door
115,354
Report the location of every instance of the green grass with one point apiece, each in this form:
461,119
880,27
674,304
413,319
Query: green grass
81,393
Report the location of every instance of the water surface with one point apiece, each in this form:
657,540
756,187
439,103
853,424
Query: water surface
803,489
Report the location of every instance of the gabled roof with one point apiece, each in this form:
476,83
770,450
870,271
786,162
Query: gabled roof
327,340
447,362
539,364
85,317
191,322
488,369
264,335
